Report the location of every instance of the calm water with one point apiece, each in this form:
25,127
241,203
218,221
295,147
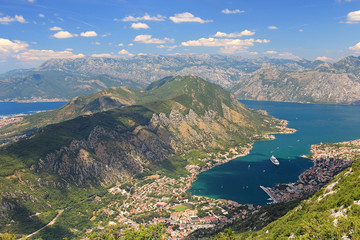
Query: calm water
239,179
9,108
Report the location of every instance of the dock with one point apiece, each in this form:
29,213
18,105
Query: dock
268,192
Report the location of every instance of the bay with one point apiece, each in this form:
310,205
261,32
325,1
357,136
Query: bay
239,179
11,108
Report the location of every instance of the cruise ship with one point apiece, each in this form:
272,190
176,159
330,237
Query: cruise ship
274,160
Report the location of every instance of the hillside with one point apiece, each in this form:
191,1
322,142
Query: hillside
332,213
269,79
72,164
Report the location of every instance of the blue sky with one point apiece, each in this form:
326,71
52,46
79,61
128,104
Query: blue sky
32,31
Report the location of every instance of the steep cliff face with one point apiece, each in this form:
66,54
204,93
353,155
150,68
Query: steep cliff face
325,84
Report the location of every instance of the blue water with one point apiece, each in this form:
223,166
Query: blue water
10,108
239,179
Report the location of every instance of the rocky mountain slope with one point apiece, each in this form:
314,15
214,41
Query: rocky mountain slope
68,78
69,162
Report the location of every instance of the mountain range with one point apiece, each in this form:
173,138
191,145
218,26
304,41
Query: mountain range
269,79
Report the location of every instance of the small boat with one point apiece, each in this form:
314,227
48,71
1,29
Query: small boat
274,160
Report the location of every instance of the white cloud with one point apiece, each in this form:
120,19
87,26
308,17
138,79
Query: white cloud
19,50
41,15
215,42
55,28
272,27
355,48
88,34
301,30
353,17
35,54
148,39
235,34
125,52
8,47
106,34
97,43
270,52
103,55
130,44
235,11
31,1
229,46
146,17
8,19
288,55
64,34
139,26
323,58
169,48
120,44
187,17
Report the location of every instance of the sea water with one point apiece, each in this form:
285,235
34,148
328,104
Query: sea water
239,179
11,108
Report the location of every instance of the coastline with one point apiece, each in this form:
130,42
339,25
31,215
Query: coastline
34,100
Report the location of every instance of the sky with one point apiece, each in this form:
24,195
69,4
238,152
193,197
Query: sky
33,31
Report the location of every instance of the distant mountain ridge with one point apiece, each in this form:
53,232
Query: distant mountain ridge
269,79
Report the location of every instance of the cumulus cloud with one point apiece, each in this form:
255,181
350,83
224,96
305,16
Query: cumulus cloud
270,52
288,55
8,47
106,34
355,48
146,17
55,28
8,19
31,1
120,44
229,46
235,11
215,42
353,17
125,52
64,34
235,34
35,54
41,15
139,26
187,17
19,50
108,55
88,34
149,39
272,27
323,58
169,48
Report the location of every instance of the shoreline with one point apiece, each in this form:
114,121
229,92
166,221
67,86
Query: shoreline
41,100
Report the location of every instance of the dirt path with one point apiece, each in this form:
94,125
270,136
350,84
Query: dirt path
49,224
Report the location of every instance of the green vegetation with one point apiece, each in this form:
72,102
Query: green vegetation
144,233
180,208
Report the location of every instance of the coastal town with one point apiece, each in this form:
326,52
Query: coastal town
161,199
329,159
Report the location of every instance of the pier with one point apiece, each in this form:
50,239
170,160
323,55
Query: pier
268,192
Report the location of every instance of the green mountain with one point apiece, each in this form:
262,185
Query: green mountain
159,131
